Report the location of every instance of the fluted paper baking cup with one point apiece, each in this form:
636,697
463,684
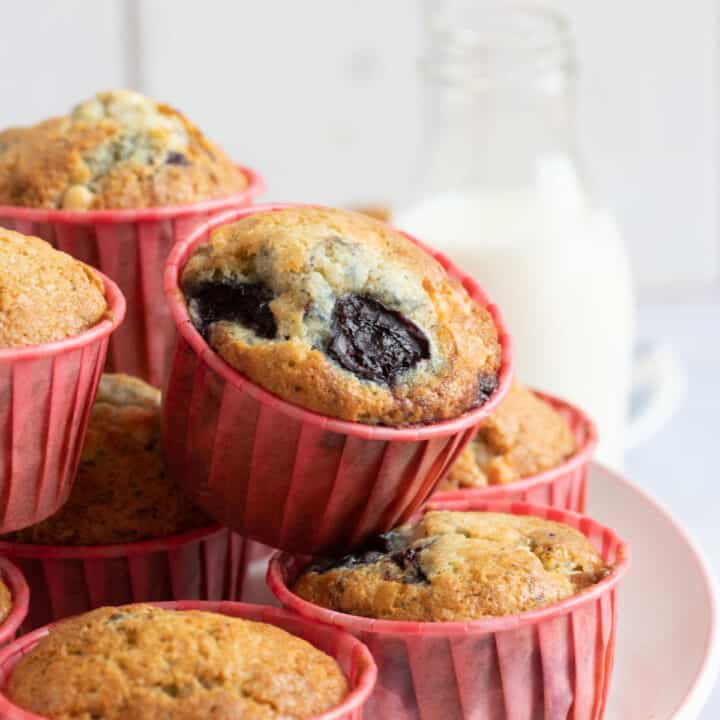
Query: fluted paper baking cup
46,395
289,477
564,486
205,564
131,247
352,656
15,582
553,663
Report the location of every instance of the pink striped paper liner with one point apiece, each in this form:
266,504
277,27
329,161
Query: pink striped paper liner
553,663
20,595
46,395
352,656
131,247
564,486
285,476
205,564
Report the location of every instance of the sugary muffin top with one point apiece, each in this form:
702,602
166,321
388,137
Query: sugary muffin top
457,566
339,313
144,663
117,150
524,436
122,493
45,295
6,601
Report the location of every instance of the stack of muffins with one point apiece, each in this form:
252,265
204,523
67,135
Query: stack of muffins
333,389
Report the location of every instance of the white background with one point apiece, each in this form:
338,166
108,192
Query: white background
324,98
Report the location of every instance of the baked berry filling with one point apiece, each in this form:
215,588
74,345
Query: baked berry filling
176,158
409,562
391,547
374,342
244,303
487,385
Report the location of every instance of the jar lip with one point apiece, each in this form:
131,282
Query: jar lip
519,45
509,14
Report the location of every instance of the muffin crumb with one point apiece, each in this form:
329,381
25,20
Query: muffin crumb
45,294
524,436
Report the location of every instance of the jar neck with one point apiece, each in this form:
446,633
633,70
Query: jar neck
500,101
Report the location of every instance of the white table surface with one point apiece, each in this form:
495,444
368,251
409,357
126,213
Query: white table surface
677,464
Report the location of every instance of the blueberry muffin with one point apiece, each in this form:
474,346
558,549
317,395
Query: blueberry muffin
523,437
117,150
6,601
143,663
339,313
457,566
122,493
45,295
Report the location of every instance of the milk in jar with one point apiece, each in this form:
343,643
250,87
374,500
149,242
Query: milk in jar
505,195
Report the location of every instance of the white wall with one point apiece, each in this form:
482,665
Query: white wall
324,98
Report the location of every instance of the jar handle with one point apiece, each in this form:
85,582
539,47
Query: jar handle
661,381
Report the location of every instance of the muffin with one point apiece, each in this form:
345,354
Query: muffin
116,150
457,566
45,295
338,313
523,437
127,663
121,493
6,601
468,561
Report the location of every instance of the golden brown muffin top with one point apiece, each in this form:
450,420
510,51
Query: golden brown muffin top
6,601
457,566
524,436
122,493
339,313
144,663
45,294
116,150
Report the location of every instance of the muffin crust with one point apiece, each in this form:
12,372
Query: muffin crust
45,294
122,493
524,436
144,663
338,313
457,566
116,150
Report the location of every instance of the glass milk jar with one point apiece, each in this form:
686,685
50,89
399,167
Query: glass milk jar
505,195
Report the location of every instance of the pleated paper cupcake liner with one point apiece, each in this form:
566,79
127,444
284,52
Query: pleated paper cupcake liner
553,663
46,396
205,564
286,476
564,486
20,595
131,247
352,656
